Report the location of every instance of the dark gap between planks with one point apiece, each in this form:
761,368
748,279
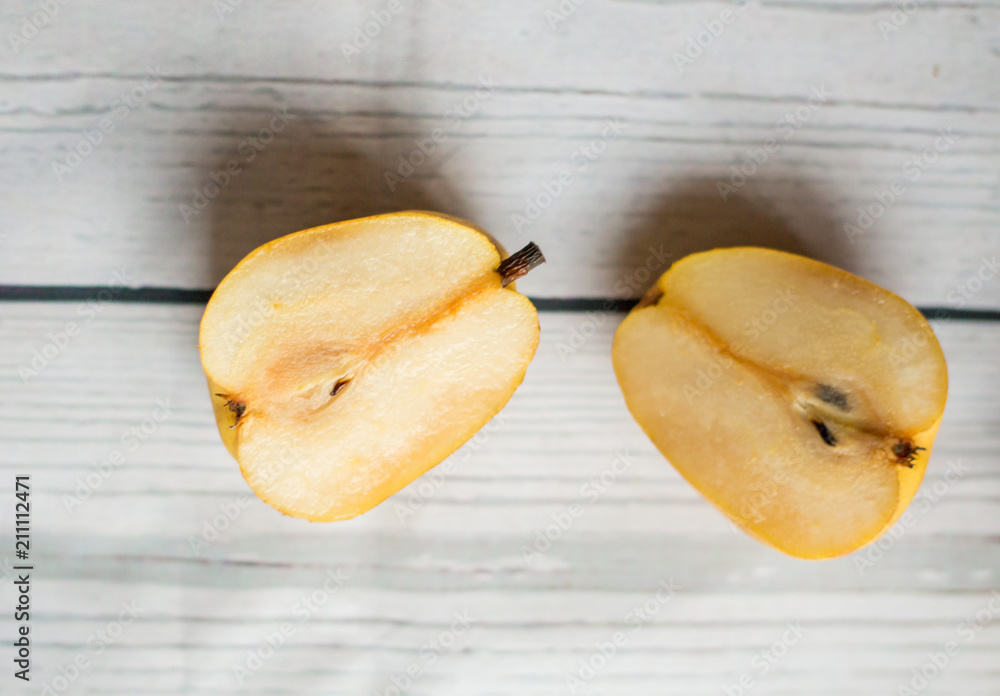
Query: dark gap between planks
70,293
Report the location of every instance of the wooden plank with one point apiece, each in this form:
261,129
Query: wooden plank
651,196
564,427
866,627
213,571
516,640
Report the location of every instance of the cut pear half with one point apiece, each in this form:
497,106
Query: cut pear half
798,398
346,360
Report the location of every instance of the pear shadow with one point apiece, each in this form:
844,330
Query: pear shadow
695,217
277,182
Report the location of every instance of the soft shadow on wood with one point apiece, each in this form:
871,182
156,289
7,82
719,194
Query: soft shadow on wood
285,173
695,217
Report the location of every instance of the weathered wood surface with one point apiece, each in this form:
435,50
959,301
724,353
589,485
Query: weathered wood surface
457,543
518,97
638,194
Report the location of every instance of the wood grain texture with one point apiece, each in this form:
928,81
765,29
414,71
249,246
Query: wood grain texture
627,207
864,628
512,97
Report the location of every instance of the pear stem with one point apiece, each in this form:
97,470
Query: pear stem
519,263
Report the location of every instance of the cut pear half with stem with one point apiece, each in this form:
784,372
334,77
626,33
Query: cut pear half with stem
345,361
798,398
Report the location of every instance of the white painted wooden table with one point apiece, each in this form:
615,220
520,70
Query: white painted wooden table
151,145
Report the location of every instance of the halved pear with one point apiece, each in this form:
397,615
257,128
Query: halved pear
344,361
798,398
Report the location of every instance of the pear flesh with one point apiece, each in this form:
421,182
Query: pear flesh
799,399
347,360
